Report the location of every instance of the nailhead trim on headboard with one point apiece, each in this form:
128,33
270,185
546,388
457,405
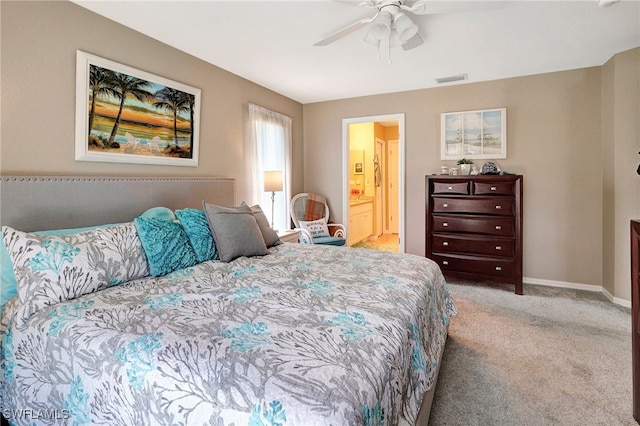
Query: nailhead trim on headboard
32,203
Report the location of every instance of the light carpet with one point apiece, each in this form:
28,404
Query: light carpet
550,357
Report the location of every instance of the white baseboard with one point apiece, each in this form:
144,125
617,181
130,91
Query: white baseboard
616,300
577,286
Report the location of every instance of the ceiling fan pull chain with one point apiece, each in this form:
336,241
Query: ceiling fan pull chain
378,49
389,50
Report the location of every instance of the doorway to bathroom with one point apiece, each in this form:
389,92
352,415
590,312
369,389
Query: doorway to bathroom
373,181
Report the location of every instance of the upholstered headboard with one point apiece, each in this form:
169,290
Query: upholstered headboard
32,203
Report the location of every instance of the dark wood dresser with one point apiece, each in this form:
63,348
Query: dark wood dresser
635,315
474,227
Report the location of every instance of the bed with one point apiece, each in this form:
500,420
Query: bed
299,335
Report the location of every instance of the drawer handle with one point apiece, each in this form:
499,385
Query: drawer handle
445,262
498,207
493,188
498,227
445,205
445,243
498,268
498,247
445,223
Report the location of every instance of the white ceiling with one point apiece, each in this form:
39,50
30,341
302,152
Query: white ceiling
271,42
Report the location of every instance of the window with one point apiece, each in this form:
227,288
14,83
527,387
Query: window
271,151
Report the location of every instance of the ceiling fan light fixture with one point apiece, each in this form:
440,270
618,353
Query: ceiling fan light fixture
368,38
405,27
380,28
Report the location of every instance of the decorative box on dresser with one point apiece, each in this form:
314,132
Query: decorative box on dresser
635,315
474,227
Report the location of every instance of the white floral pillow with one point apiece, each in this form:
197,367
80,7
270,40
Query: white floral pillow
51,269
317,228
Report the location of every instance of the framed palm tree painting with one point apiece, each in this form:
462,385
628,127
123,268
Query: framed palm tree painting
125,115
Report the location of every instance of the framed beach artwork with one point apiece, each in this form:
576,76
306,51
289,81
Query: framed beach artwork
480,134
124,115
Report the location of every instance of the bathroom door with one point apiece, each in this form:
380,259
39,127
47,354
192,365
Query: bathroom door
392,186
379,183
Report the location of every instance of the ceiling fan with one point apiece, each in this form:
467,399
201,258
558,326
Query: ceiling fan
390,23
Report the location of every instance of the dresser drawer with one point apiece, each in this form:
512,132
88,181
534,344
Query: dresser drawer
451,188
481,266
500,206
499,226
503,247
497,188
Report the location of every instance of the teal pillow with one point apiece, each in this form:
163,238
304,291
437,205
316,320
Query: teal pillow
8,284
165,244
162,213
196,226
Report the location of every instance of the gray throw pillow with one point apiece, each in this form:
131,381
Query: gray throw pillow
270,236
235,231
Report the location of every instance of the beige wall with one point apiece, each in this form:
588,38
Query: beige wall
573,135
621,144
554,140
39,43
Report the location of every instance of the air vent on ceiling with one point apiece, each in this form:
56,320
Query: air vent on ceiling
452,78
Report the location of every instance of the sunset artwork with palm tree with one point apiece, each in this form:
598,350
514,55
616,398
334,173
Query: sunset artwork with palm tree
129,115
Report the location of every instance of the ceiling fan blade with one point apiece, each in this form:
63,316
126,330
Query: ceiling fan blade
413,42
345,31
417,8
428,7
367,3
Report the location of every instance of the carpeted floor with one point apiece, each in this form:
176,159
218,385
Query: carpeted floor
550,357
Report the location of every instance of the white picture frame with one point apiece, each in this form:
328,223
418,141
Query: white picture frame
157,122
479,134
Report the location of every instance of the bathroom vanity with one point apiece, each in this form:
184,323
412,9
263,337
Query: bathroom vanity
360,220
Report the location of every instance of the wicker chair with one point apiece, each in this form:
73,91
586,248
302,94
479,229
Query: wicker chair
310,214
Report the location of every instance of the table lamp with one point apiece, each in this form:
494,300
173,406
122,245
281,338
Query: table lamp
272,183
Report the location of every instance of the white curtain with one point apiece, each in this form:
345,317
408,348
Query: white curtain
271,150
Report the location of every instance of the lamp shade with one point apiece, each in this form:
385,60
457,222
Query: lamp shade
273,181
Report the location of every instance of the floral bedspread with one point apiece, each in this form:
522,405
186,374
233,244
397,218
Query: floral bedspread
307,335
